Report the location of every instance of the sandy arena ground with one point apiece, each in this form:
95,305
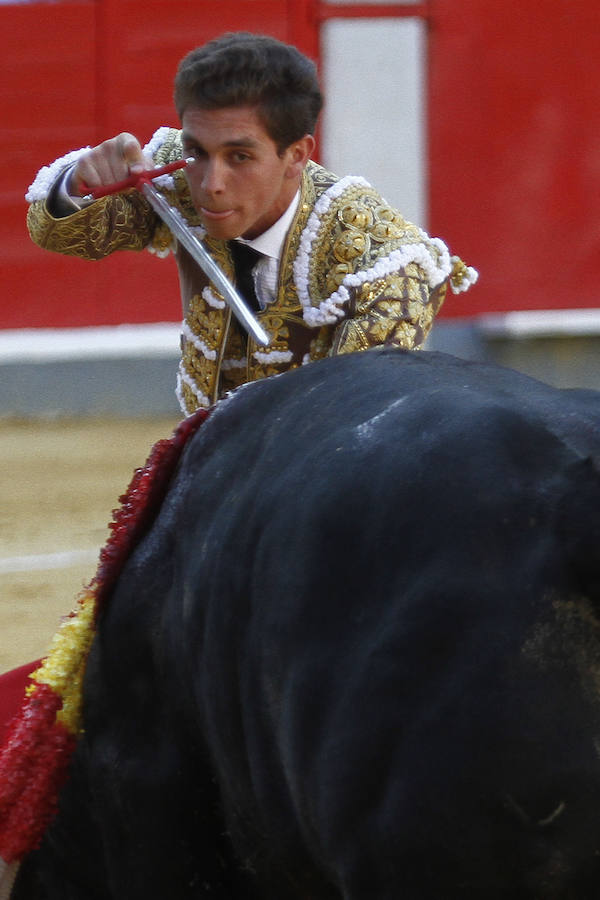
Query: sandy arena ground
59,482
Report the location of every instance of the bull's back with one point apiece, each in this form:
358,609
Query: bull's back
399,542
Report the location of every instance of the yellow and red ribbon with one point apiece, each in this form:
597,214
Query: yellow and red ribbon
40,740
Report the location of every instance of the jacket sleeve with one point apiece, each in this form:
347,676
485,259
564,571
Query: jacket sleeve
395,311
119,222
374,276
123,221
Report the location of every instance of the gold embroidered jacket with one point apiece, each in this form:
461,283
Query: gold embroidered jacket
353,273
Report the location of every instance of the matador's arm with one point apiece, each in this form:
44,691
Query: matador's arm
396,311
119,222
122,221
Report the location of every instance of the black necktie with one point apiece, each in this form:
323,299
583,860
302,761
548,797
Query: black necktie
244,260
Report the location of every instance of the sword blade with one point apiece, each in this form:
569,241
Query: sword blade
196,249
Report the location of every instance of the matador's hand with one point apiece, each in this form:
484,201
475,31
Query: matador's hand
110,161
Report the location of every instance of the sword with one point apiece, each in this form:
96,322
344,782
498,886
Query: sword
196,249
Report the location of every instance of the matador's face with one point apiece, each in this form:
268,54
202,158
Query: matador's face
240,184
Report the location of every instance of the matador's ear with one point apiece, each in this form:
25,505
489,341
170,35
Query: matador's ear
298,153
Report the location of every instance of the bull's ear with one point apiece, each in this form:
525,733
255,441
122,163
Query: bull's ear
579,529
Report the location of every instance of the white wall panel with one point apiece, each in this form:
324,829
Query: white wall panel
373,73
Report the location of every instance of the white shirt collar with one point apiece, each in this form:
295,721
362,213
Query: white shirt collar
270,242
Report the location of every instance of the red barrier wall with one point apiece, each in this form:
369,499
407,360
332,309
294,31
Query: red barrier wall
514,140
514,126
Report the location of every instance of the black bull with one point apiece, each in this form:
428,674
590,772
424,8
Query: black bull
356,656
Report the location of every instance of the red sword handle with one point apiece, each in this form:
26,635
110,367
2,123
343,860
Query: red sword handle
134,181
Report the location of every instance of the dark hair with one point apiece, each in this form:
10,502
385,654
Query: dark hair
243,69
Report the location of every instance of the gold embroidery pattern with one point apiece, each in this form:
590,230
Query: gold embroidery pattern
208,326
397,311
233,373
278,329
119,222
206,323
354,233
320,346
190,399
287,296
